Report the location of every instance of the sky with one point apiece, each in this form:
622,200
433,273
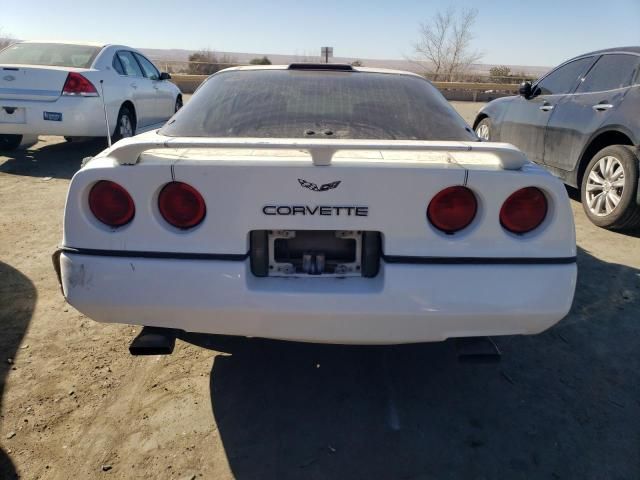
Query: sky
535,33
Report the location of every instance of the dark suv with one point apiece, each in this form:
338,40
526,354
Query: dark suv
582,122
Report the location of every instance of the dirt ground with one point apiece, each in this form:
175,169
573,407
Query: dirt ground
561,405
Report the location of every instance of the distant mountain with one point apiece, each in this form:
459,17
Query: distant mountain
179,55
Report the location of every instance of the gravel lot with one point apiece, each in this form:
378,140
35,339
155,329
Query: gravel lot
563,404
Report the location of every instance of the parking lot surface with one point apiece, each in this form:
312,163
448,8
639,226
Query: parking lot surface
561,405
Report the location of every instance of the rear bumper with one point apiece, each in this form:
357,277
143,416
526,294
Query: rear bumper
403,304
81,117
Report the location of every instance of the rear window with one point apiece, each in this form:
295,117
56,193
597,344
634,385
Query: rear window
50,54
318,104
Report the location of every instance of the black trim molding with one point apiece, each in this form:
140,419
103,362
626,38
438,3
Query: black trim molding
398,259
166,255
479,260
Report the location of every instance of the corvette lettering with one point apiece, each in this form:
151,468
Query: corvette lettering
324,210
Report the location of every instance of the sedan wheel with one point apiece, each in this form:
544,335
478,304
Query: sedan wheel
125,127
605,185
9,142
483,130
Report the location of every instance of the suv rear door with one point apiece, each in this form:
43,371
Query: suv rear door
526,119
579,115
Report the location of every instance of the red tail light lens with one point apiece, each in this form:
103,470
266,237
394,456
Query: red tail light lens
181,205
524,210
78,85
111,204
452,209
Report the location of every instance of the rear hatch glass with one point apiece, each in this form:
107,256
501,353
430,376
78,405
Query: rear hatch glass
49,54
318,104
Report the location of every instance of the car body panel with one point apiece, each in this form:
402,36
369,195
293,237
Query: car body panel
482,280
34,90
573,124
402,304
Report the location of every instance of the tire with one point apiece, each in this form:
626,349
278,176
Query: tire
125,125
9,142
609,188
179,104
483,129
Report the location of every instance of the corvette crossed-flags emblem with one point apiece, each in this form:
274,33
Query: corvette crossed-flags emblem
322,188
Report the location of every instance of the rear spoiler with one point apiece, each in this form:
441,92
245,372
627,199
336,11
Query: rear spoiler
128,150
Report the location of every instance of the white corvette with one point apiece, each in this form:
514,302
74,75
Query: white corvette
59,89
319,203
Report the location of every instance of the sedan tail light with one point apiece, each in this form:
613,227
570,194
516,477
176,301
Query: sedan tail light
111,204
77,85
181,205
524,210
452,209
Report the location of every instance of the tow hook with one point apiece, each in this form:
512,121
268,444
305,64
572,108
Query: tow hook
477,350
154,341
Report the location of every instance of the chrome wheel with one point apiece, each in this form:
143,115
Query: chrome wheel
483,131
605,185
125,127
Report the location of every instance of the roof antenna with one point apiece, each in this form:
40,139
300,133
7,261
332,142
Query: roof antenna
106,117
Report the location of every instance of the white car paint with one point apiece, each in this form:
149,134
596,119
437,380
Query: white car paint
34,89
403,303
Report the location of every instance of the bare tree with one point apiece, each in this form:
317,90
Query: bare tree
206,62
5,39
445,43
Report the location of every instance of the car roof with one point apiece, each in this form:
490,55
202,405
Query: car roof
323,67
63,42
635,50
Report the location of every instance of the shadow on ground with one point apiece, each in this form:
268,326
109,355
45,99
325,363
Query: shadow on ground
17,300
563,404
574,194
56,160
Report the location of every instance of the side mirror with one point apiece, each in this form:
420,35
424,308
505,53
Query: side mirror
164,76
525,89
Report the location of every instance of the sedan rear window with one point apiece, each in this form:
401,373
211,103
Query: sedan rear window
318,104
50,54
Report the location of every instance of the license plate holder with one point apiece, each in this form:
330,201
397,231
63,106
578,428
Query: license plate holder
15,115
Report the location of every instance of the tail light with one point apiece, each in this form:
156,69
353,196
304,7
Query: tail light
77,85
452,209
524,210
181,205
111,204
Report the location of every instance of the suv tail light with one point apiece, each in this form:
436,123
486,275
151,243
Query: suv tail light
181,205
452,209
111,204
77,85
524,210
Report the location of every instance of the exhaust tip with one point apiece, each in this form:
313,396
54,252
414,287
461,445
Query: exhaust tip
477,350
153,341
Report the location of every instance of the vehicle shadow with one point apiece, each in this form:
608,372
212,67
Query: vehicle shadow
562,404
17,300
57,160
574,194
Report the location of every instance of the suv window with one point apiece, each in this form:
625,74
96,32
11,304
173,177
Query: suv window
563,79
610,72
149,69
129,64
